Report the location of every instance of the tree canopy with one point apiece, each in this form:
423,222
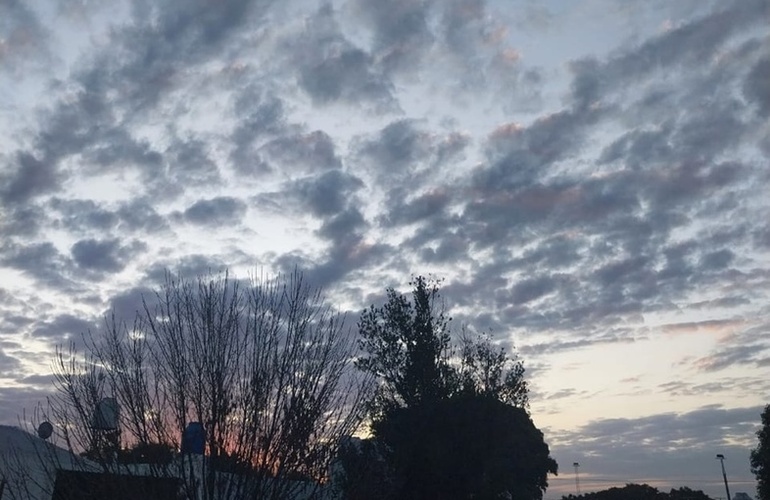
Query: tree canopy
760,457
449,419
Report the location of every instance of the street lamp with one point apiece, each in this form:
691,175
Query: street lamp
577,477
721,459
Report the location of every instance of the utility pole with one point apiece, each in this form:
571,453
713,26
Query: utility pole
721,459
577,477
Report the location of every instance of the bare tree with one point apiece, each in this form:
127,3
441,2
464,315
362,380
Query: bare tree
264,366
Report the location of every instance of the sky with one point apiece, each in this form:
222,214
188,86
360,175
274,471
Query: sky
589,179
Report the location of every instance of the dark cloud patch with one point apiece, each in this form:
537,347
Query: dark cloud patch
9,365
533,288
261,117
401,32
397,147
117,150
27,177
63,327
328,193
681,388
701,428
24,221
13,400
348,250
640,147
125,305
188,267
344,75
717,260
519,156
38,381
688,181
345,259
622,270
332,69
404,157
688,44
162,41
138,215
191,164
307,152
451,247
13,323
553,253
24,38
749,346
104,255
81,215
40,260
220,211
670,447
558,345
757,86
722,302
344,227
462,25
423,206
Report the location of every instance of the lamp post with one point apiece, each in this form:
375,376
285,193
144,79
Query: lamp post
721,459
577,477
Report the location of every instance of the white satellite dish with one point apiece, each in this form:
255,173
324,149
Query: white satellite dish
44,430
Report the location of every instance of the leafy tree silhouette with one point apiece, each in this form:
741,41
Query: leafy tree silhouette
449,421
760,457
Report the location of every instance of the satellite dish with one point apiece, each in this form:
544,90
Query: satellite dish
44,430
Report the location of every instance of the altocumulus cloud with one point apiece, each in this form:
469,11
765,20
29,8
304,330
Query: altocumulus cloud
590,180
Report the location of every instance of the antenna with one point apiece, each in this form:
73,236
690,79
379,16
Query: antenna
44,430
577,477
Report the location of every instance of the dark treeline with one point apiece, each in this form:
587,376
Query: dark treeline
641,492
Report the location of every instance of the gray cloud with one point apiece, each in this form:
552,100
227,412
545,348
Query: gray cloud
62,327
332,69
756,86
310,152
9,365
671,449
29,176
188,267
104,255
401,32
328,193
220,211
40,260
25,39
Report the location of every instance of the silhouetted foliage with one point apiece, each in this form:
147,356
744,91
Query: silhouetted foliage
466,446
408,346
363,472
685,493
410,352
641,492
450,422
487,370
760,457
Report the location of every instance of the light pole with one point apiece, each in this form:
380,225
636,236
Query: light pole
721,459
577,477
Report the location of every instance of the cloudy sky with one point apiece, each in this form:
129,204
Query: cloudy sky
590,179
